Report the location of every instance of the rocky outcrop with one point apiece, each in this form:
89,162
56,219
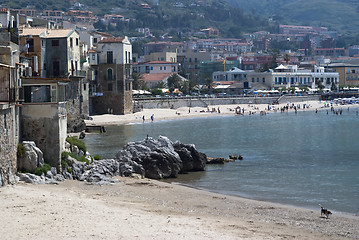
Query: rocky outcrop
162,158
30,158
151,158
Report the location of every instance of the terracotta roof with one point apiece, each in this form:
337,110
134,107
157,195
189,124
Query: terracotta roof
153,77
93,51
112,40
3,9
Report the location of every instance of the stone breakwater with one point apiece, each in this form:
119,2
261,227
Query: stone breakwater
151,158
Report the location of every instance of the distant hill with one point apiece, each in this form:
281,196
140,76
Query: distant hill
163,16
340,15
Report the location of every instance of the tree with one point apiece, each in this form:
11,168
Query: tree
286,57
174,81
138,82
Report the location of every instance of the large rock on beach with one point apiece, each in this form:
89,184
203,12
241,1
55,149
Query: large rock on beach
31,158
162,158
192,160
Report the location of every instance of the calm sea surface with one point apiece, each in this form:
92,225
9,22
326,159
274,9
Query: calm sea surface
303,160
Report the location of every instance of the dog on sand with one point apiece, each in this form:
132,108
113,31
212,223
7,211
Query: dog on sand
325,211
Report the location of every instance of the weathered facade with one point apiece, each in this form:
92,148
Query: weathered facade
44,116
113,80
9,96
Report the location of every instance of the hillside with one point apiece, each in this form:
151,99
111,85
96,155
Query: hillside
340,15
163,17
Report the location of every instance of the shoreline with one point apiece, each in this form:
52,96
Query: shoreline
151,209
197,112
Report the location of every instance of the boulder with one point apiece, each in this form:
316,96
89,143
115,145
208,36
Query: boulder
157,157
218,160
31,158
192,160
31,178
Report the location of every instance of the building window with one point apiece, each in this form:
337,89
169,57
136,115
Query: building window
161,68
95,40
109,74
151,67
275,80
252,79
264,80
93,57
109,87
71,44
109,57
77,41
164,68
55,43
126,57
84,86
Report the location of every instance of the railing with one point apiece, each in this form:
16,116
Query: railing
78,73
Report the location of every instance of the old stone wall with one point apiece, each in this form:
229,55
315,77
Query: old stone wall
201,102
46,125
8,145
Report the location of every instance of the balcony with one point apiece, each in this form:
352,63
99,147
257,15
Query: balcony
78,73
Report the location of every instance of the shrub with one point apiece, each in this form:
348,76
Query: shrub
65,155
97,157
20,150
42,170
77,142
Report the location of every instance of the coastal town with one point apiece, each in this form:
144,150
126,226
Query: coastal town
62,74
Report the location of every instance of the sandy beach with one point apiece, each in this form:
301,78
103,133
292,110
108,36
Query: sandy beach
185,112
149,209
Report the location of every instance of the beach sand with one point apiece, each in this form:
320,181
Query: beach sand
150,209
183,112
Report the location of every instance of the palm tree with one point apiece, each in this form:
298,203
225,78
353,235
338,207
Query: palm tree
138,82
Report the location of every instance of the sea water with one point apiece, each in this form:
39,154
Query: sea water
302,159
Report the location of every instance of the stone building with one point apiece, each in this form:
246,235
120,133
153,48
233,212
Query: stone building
113,82
9,95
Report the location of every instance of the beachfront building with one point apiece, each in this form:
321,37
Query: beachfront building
282,77
190,63
113,76
348,73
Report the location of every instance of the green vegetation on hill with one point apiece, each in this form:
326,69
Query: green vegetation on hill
339,15
164,18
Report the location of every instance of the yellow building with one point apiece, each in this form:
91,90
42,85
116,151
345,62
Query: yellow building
348,73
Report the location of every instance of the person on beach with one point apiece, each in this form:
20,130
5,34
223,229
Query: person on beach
143,118
152,117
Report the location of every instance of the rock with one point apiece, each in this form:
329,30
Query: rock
233,156
59,178
157,157
31,158
192,160
218,160
82,135
240,157
31,178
